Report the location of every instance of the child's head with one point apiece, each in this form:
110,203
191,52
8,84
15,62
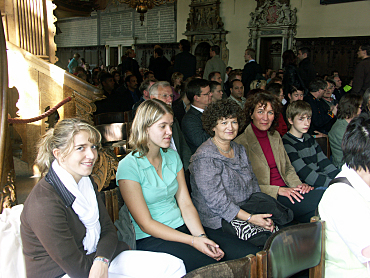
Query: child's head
295,109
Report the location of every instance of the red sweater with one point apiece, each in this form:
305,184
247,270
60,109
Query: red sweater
262,137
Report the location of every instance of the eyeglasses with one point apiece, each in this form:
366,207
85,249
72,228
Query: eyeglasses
166,96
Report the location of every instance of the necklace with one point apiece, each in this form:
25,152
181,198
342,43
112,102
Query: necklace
220,148
159,164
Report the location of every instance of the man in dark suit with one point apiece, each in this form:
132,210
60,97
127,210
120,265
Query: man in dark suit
159,65
200,96
252,70
306,69
132,65
185,62
162,90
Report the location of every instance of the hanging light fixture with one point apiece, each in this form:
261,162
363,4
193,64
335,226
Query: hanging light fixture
142,6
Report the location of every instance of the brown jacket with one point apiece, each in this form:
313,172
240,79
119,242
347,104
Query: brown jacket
259,163
52,234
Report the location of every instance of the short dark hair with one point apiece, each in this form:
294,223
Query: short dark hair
212,74
128,78
231,83
224,108
233,74
289,58
216,49
305,50
193,88
356,143
146,74
348,106
159,51
144,85
213,85
331,80
262,98
276,78
317,84
366,47
185,45
274,88
104,76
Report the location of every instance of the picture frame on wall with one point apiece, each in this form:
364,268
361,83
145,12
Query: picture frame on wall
327,2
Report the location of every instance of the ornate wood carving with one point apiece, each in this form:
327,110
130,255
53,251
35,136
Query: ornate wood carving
205,25
105,168
7,194
273,19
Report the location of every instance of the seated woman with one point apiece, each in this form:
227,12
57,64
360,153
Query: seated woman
349,107
270,163
345,207
152,183
221,178
65,227
310,163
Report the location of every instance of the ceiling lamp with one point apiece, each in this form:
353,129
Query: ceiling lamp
142,6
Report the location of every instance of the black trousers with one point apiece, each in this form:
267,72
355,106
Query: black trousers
304,210
233,247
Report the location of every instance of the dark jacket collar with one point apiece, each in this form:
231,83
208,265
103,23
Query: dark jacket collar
53,179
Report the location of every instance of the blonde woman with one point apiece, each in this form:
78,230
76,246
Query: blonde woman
152,183
65,228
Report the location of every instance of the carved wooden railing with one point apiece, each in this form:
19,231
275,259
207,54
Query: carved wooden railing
7,193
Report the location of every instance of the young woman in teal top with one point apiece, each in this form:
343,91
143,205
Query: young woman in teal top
152,184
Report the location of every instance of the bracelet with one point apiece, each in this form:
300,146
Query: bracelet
203,235
249,218
102,259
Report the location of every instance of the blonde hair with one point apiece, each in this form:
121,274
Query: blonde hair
147,114
61,137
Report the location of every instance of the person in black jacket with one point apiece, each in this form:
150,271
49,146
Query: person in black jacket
306,69
159,65
291,76
185,62
252,70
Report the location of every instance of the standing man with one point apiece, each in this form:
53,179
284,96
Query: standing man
73,63
185,62
306,69
361,79
131,65
251,70
159,65
200,96
215,64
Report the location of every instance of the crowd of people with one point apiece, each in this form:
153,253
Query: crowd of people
220,160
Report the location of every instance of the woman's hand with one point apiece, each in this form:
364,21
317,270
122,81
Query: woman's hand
99,270
263,221
291,193
304,188
208,247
